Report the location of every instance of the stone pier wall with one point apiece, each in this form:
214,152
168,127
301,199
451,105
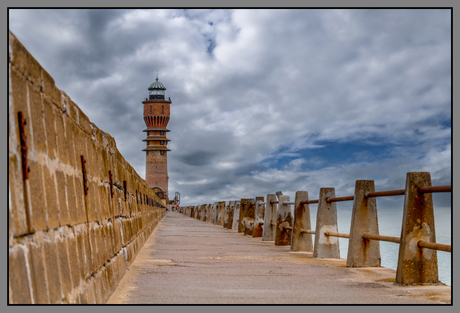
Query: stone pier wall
67,243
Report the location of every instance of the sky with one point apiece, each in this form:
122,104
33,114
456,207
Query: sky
262,100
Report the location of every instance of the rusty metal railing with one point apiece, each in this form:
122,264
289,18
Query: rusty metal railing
414,206
433,189
381,238
336,234
434,246
399,192
339,199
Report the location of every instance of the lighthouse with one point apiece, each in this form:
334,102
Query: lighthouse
156,118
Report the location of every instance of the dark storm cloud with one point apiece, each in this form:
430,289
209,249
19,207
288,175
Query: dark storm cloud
198,158
255,93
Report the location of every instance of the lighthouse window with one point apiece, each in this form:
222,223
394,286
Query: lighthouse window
162,109
147,152
162,152
162,142
162,132
150,109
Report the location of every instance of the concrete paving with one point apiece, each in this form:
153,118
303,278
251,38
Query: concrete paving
187,261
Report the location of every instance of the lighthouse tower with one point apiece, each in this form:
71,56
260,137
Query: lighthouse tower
156,118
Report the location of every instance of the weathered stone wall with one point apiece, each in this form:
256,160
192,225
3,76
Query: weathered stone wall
65,245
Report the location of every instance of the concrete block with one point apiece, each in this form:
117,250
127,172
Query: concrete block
228,219
214,213
51,199
24,62
326,220
18,225
82,296
364,219
246,219
93,203
36,111
20,101
90,291
111,278
38,273
101,247
83,257
38,125
50,128
51,91
84,122
62,140
71,141
74,261
104,199
259,218
18,276
417,265
236,215
93,252
284,218
64,214
98,287
36,196
301,241
71,200
121,265
270,216
52,271
64,267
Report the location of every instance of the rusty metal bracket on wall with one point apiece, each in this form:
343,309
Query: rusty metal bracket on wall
22,140
85,179
111,184
124,187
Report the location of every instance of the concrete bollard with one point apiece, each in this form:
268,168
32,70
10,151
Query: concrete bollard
417,265
247,210
363,252
222,205
326,220
196,212
236,215
228,216
269,218
301,241
214,212
258,218
209,213
203,212
284,218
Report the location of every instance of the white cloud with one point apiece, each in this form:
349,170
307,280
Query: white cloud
254,87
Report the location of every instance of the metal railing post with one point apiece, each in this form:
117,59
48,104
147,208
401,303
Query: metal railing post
301,241
417,265
326,220
363,252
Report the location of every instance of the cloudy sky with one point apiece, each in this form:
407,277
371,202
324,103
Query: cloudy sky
262,100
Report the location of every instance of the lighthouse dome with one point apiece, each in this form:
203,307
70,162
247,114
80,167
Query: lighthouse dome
157,85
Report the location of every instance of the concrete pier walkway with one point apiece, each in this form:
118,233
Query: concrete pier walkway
186,261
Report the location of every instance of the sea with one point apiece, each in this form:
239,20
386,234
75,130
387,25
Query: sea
390,222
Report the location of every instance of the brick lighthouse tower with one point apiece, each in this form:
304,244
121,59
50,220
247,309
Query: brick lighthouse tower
156,117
